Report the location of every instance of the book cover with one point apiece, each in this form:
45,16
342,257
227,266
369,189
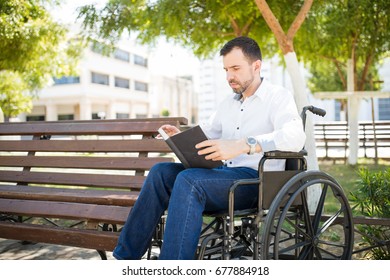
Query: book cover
183,145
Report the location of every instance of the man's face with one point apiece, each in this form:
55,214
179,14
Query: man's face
240,73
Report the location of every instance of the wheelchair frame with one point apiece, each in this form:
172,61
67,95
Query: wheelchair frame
284,226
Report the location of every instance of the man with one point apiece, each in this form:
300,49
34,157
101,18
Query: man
260,117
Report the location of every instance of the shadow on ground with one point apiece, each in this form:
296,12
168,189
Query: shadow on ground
18,250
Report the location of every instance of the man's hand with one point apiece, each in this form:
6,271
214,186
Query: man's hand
170,129
222,149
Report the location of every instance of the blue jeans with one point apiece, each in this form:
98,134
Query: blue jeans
186,193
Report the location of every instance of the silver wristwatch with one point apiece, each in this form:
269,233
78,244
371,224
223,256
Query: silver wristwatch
251,141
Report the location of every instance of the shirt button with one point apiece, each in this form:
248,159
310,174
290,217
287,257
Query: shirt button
230,162
238,128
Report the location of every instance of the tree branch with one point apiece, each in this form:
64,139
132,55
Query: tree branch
353,57
235,26
246,28
367,66
273,24
341,75
300,18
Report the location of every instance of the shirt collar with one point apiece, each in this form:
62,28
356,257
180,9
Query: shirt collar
262,89
260,92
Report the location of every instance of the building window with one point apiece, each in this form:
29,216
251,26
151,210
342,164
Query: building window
122,83
68,117
337,110
99,116
141,86
101,79
139,60
122,116
384,109
66,80
122,55
35,118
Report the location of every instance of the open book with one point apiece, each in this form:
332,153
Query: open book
183,145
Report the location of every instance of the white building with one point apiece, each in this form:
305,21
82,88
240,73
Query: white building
173,95
112,87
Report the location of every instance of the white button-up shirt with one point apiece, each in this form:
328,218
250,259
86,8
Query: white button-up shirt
270,115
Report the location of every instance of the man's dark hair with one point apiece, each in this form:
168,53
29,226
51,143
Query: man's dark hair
249,48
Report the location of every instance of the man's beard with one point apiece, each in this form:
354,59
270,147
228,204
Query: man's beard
242,87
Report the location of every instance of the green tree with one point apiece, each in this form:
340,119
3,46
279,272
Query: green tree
33,50
205,25
201,25
165,113
13,101
336,31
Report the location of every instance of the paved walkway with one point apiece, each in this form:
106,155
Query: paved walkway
16,250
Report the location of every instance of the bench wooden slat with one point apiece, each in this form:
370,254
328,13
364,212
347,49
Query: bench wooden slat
74,179
180,120
89,196
117,163
144,145
90,239
87,173
84,128
65,210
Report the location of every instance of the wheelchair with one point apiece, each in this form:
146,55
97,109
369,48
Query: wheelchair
286,224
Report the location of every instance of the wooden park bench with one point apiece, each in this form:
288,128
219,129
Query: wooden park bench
335,136
73,183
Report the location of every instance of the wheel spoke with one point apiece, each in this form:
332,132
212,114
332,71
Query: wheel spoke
298,229
329,222
320,207
305,252
306,215
327,243
294,247
317,253
329,253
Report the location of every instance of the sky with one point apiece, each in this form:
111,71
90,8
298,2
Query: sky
165,59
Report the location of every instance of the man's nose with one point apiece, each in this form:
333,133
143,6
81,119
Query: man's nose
229,76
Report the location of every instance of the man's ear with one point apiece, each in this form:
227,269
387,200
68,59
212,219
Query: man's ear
257,65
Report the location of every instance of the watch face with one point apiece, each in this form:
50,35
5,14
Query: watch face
252,141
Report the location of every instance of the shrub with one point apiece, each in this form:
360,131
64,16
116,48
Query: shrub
372,199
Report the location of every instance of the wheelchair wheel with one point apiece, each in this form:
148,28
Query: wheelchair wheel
293,231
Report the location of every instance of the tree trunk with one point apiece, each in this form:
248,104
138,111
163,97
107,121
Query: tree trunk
285,42
301,100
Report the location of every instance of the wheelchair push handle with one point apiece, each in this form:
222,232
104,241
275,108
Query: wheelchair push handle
314,110
317,111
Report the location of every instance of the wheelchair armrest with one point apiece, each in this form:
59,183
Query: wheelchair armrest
284,155
294,160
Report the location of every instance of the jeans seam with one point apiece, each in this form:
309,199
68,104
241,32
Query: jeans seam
190,208
184,234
